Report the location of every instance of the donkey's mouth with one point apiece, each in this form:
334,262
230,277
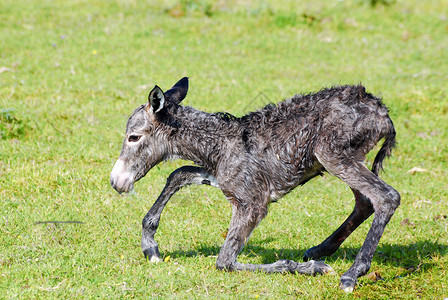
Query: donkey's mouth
122,186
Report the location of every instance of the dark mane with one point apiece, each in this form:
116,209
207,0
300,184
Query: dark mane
225,116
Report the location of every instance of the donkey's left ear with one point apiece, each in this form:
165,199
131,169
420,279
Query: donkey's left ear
156,99
178,92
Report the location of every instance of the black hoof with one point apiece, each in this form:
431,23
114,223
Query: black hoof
152,254
306,257
318,252
309,255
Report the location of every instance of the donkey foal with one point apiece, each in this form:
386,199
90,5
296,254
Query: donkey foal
260,157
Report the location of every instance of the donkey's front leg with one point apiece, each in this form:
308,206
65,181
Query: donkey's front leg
181,177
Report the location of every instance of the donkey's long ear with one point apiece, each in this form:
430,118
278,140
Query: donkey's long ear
156,99
178,92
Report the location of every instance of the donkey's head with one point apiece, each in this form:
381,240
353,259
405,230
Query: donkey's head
146,143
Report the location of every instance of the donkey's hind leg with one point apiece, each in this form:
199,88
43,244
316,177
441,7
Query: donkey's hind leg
181,177
384,199
241,226
363,209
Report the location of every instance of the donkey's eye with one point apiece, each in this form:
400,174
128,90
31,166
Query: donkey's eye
134,138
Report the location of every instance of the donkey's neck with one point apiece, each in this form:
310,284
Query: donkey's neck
203,137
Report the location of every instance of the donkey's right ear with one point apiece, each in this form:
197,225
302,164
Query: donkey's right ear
178,92
156,99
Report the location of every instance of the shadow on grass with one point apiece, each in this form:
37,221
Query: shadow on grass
411,257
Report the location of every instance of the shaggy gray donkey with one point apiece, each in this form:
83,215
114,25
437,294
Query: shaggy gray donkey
260,157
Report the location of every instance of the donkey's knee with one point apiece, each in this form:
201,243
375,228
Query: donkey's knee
390,203
395,197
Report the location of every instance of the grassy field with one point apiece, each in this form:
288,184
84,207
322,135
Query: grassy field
71,72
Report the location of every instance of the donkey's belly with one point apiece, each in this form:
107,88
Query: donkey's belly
281,188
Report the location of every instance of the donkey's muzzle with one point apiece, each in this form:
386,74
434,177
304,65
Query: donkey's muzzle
122,186
121,179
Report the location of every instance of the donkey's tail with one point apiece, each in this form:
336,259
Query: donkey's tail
386,149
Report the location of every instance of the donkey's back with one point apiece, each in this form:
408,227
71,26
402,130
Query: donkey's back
346,116
288,137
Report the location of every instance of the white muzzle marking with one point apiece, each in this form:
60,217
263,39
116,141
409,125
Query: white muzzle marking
121,179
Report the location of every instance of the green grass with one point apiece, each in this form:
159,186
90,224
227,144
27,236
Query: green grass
72,71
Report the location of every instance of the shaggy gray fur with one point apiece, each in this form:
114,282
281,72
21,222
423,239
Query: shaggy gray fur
260,157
